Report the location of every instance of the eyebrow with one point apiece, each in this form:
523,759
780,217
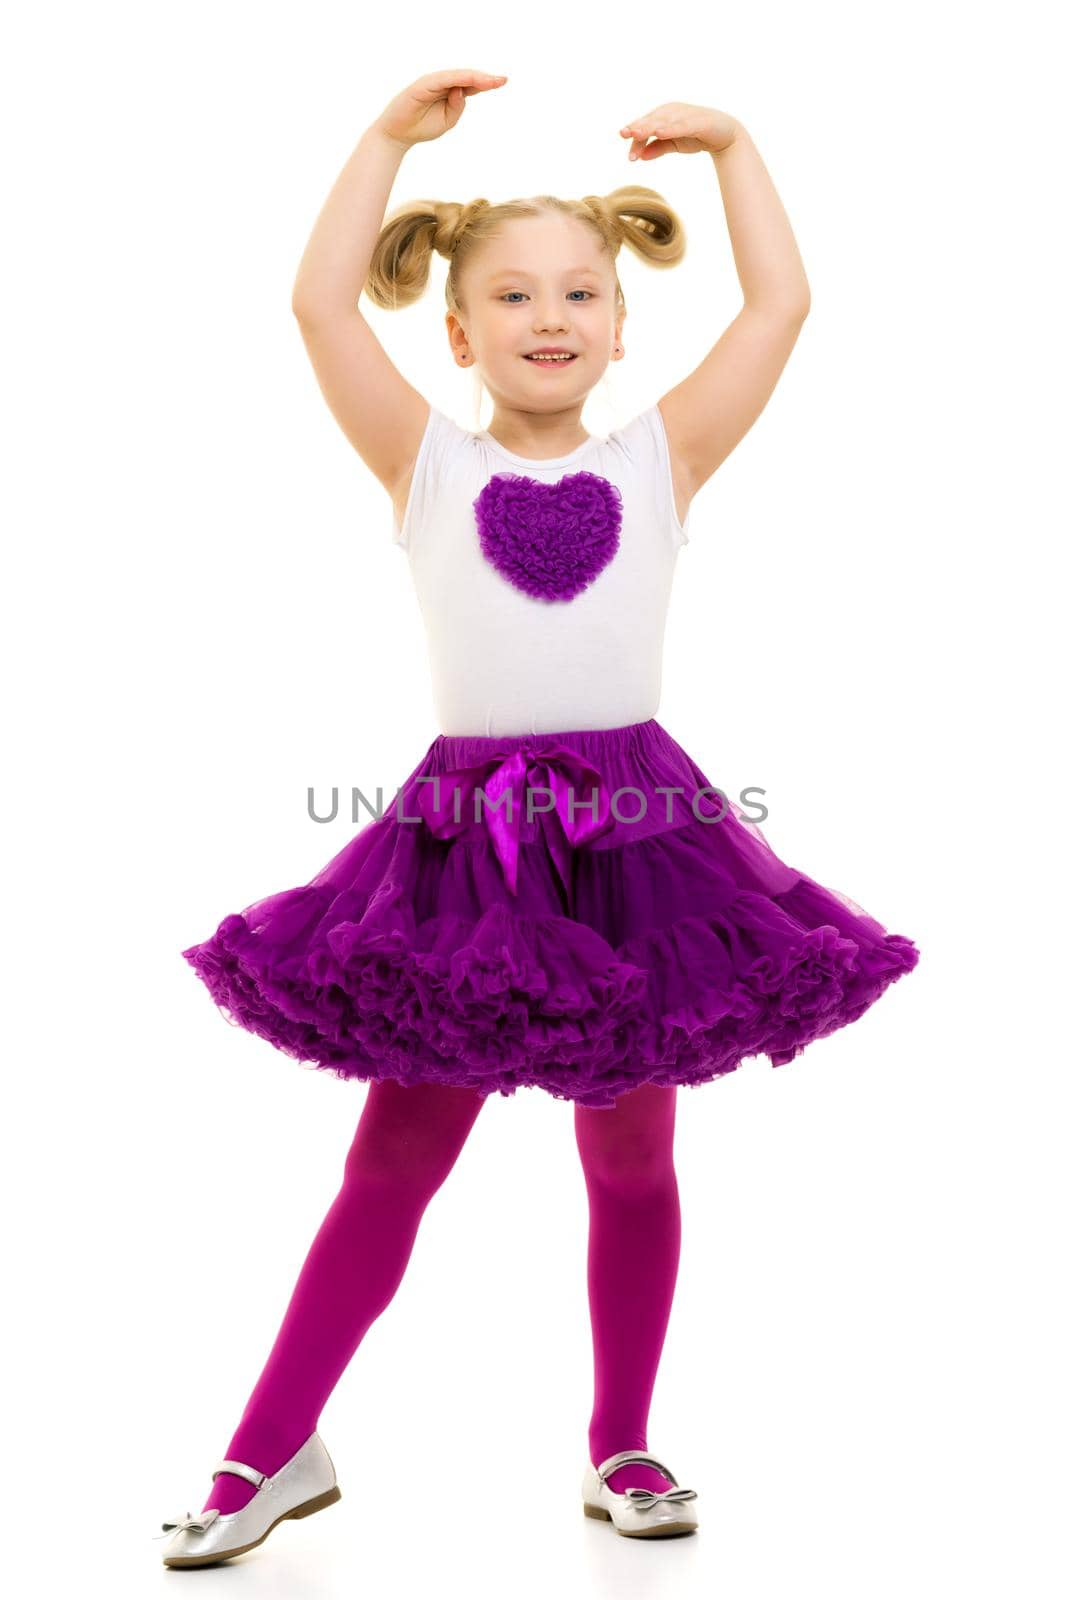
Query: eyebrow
572,272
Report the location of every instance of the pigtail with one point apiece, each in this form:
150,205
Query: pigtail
641,218
411,234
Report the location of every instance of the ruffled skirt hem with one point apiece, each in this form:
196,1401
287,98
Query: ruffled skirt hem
504,999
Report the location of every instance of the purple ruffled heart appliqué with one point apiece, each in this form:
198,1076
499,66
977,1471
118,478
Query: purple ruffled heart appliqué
549,539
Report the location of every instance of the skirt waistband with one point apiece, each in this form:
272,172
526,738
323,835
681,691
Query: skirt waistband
630,781
462,750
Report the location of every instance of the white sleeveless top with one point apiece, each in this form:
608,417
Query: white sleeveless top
543,585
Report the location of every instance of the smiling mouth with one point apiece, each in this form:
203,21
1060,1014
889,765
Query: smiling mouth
551,361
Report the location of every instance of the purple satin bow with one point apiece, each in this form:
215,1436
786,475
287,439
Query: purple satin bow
566,772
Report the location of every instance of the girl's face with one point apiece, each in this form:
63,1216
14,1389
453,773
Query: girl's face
542,281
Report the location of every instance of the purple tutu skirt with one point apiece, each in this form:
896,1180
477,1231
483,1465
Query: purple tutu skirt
578,912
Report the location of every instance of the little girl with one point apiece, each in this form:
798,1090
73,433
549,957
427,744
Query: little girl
558,897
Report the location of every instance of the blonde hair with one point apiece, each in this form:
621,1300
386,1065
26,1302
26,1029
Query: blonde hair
400,266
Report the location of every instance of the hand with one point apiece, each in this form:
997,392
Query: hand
433,105
680,130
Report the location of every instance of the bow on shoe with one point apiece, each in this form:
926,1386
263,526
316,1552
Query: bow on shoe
199,1523
506,772
647,1498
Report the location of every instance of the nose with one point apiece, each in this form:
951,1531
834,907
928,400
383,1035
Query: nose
551,319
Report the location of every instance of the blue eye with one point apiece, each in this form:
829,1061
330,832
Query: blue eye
573,291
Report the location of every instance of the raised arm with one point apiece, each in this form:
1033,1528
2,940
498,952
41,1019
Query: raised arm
378,411
711,410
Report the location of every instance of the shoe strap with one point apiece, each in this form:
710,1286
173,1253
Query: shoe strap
239,1470
606,1468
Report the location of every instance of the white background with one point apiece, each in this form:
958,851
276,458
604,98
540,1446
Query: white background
205,614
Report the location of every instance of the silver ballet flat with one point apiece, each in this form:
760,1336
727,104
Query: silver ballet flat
305,1484
638,1513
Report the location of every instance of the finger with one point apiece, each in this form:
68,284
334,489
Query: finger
640,133
646,123
464,77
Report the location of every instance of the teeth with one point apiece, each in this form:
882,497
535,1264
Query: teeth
550,358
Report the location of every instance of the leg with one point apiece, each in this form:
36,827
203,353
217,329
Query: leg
406,1143
627,1154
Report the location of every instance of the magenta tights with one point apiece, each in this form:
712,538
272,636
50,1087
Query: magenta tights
406,1143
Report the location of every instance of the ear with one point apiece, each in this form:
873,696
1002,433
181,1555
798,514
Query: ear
457,339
